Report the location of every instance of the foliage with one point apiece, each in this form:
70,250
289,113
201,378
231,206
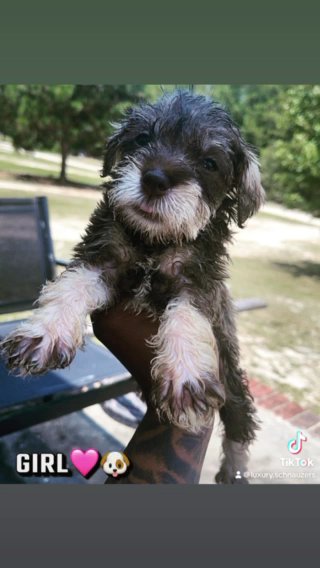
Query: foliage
65,118
292,162
281,121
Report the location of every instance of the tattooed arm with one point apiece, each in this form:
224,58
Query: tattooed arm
158,451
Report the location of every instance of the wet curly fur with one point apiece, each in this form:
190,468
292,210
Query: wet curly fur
178,175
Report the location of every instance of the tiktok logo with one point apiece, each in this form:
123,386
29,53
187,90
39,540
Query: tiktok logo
295,444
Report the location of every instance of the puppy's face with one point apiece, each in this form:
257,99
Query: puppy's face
175,164
115,463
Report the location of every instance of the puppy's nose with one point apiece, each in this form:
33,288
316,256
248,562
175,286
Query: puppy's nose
155,182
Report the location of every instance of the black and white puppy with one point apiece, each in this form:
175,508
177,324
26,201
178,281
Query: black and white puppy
179,174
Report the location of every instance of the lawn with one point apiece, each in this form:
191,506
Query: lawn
25,163
280,344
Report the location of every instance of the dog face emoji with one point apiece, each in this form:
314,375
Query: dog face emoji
114,463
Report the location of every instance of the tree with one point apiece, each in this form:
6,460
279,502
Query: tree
8,106
64,118
280,121
292,161
254,108
283,123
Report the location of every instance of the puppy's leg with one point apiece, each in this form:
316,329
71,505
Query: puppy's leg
240,423
187,388
49,339
234,462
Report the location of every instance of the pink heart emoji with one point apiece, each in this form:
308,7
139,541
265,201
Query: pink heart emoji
84,461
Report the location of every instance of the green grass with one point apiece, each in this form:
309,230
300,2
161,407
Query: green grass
87,178
60,206
66,207
291,319
11,157
12,168
280,344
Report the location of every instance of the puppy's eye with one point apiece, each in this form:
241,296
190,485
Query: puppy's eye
109,464
209,164
142,139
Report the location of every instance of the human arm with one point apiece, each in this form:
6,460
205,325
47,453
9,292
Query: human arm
159,451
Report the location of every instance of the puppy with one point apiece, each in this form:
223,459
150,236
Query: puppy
178,174
115,463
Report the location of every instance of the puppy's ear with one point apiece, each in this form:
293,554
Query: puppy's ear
250,193
126,459
112,152
104,459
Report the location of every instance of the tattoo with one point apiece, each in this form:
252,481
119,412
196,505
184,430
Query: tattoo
163,453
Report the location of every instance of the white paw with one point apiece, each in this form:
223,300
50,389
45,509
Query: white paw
34,350
189,403
187,388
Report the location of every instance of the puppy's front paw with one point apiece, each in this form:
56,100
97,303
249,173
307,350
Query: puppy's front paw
189,402
33,352
187,388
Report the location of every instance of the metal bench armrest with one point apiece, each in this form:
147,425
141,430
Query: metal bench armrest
61,262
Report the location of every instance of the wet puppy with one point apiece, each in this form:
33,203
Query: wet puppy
179,173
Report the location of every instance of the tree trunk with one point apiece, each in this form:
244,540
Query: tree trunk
64,155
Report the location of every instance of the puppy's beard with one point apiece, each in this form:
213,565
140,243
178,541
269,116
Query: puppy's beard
181,213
